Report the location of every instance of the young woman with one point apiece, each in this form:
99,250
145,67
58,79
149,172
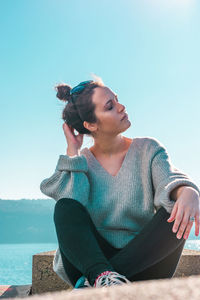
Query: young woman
123,211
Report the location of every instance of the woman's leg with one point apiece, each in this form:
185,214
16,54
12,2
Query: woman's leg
163,269
78,245
155,242
138,255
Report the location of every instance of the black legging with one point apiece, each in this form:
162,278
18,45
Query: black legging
153,254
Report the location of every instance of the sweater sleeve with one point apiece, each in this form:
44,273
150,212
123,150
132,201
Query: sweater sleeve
69,179
166,177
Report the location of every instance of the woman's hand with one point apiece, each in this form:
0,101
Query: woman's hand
186,206
74,142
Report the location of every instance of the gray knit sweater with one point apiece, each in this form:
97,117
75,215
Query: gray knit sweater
118,205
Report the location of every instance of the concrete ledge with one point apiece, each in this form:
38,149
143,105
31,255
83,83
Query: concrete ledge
44,279
15,291
189,264
182,288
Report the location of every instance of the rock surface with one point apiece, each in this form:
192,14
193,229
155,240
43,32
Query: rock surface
166,289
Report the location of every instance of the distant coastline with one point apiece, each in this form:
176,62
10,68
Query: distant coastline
31,221
27,221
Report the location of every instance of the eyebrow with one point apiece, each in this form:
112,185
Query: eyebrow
110,100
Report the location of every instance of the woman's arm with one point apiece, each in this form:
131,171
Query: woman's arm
176,192
69,180
167,180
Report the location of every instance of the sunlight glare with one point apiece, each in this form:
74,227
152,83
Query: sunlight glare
181,8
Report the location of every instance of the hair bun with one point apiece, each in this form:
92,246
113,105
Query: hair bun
63,92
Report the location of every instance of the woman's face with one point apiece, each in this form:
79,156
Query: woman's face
109,112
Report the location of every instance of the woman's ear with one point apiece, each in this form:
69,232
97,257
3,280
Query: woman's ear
90,126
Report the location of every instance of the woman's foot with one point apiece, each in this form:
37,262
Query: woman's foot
108,278
81,283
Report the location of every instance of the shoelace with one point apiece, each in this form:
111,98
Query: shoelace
108,278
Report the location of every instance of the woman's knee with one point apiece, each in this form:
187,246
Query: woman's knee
61,209
65,207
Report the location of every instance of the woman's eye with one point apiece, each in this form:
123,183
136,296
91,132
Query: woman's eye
112,106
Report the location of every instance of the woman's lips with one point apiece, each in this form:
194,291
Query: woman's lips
125,117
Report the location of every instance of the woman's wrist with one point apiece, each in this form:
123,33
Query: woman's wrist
73,153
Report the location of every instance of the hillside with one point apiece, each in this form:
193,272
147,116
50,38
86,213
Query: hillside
27,221
31,221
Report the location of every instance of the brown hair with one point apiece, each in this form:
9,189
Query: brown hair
83,109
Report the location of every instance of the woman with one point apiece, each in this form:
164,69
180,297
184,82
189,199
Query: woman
123,211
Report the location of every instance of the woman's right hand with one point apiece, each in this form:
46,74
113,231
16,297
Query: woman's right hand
74,142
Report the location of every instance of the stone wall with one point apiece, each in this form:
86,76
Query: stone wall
44,279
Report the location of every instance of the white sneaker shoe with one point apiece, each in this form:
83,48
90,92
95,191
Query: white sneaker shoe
108,278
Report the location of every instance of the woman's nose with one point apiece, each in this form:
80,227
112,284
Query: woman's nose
121,107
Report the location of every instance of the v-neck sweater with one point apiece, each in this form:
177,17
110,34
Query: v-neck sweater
99,167
119,205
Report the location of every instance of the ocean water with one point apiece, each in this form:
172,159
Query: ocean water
16,262
16,259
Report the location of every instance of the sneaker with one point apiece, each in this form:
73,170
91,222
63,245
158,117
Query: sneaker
108,278
82,282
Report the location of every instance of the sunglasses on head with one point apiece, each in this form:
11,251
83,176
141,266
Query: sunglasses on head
77,89
80,87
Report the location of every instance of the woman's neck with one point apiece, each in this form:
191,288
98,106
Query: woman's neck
111,147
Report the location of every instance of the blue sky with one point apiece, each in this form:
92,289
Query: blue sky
146,51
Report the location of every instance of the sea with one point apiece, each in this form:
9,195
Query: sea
16,259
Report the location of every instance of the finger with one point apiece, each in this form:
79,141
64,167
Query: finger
173,213
68,128
80,134
184,223
68,131
188,229
197,223
178,219
65,125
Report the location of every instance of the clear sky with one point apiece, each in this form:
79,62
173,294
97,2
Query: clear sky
147,51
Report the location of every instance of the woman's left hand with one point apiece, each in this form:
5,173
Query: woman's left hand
186,206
